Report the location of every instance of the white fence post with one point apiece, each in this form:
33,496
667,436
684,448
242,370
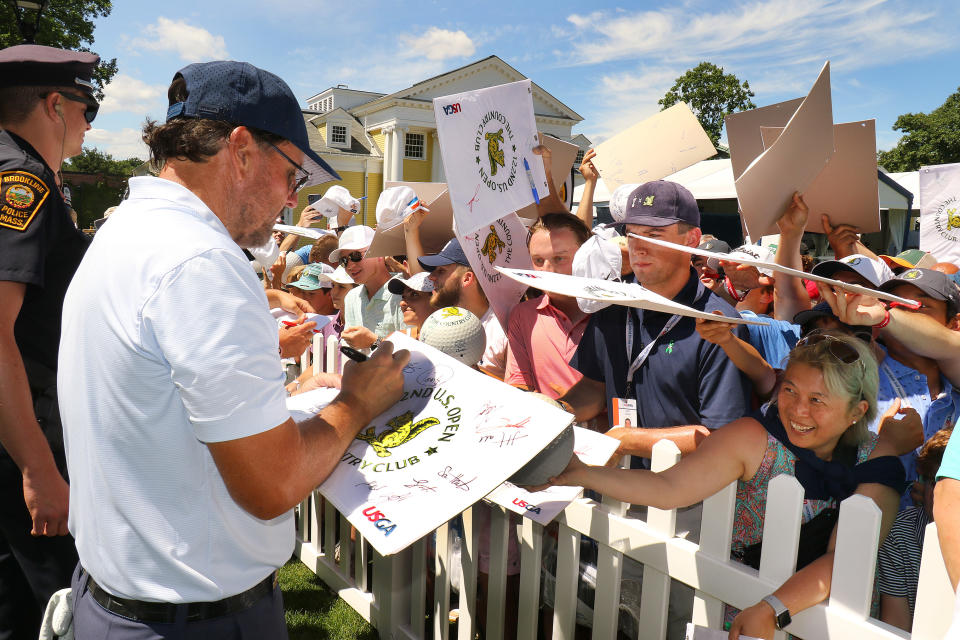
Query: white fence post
531,550
468,583
441,595
716,529
497,579
855,557
655,593
606,602
931,617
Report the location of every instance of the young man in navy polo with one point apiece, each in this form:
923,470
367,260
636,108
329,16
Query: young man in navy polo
683,386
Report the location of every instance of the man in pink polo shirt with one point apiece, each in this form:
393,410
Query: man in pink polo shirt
544,332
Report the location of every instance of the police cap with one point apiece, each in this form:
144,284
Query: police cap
35,65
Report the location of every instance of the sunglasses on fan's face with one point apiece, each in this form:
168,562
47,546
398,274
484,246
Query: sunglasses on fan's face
353,256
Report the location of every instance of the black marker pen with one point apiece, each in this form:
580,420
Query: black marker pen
353,354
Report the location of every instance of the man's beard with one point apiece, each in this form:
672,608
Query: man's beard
251,236
448,296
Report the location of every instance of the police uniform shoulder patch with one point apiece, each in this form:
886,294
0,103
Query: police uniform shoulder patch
21,196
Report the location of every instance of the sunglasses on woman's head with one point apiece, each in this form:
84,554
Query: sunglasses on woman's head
837,348
353,256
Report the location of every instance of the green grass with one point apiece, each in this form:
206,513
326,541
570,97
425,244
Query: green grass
314,611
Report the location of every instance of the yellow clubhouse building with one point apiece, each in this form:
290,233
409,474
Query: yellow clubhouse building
371,138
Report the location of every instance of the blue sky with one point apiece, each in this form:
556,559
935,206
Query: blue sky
609,62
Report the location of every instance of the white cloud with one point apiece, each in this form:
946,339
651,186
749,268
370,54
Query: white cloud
439,44
126,93
778,45
192,44
122,144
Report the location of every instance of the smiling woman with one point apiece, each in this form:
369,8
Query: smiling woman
815,431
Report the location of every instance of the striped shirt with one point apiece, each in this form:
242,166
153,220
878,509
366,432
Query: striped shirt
899,557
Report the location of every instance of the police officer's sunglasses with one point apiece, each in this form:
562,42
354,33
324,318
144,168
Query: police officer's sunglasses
92,105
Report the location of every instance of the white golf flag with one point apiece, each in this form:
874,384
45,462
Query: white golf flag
487,138
940,211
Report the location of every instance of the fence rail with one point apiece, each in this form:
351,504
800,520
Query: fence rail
401,593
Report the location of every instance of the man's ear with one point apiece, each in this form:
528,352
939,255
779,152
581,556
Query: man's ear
240,147
468,277
954,323
693,237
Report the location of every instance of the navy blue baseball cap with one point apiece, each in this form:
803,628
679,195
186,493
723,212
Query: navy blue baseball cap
451,253
241,93
660,203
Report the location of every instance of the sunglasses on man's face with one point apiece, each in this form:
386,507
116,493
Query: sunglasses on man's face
92,105
353,256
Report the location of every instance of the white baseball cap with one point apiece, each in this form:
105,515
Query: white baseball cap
876,271
753,252
395,204
356,238
618,201
334,199
418,282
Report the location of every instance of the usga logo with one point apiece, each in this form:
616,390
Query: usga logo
379,520
532,508
450,109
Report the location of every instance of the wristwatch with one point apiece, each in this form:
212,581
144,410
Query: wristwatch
780,611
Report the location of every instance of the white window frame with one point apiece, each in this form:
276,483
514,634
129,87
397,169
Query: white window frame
423,145
339,145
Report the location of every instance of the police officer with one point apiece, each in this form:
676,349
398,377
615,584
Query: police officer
46,106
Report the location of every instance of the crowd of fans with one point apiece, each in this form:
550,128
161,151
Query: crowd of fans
832,388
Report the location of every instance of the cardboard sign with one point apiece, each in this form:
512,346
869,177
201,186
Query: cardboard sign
487,138
543,506
765,188
629,294
563,155
846,189
436,228
501,244
455,435
773,266
654,148
743,131
940,211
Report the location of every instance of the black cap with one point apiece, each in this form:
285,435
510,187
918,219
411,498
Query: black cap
451,253
716,245
822,310
660,203
935,284
32,65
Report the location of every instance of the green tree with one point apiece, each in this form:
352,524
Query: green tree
67,24
711,94
928,138
93,160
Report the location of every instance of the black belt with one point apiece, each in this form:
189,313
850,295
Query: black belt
166,612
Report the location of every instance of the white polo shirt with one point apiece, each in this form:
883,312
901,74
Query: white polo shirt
167,344
494,360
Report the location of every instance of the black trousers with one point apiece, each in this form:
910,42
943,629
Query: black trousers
31,568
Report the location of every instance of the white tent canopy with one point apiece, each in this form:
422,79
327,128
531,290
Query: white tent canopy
713,180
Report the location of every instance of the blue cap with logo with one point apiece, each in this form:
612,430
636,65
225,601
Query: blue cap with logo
241,93
451,253
660,203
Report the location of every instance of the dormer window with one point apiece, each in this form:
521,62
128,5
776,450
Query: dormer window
338,135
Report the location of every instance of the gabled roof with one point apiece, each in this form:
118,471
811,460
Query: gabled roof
359,144
416,91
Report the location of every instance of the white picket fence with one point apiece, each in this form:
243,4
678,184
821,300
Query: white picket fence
391,592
